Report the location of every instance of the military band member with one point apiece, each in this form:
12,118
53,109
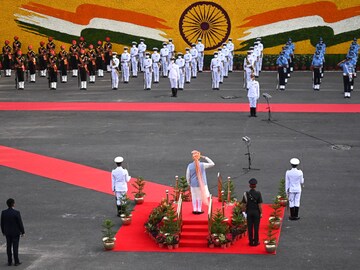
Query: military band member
215,72
74,56
248,66
16,45
114,65
294,179
226,52
91,54
134,54
43,59
316,66
348,72
142,48
7,58
194,55
31,60
231,47
171,48
83,68
181,63
63,61
200,60
82,43
155,57
52,67
282,64
164,53
196,178
188,60
100,59
125,65
253,95
108,53
148,69
174,76
19,65
119,179
50,45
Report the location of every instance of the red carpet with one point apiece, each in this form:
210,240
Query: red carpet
176,107
129,238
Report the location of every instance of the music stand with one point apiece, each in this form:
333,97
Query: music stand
268,97
247,141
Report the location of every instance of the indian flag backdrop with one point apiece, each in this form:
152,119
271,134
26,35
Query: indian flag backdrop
124,21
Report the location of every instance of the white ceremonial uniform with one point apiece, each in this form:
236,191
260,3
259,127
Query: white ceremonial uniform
294,178
134,53
253,92
261,53
215,72
114,66
173,75
230,47
248,68
187,58
142,48
164,53
171,48
125,66
256,54
200,48
147,73
221,57
181,63
155,57
119,179
226,53
194,55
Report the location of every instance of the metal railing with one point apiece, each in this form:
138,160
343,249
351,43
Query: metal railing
210,210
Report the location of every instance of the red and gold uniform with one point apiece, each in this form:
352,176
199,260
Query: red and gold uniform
31,58
100,59
7,58
16,45
108,53
82,43
42,57
63,60
53,68
83,67
50,45
19,65
74,51
92,63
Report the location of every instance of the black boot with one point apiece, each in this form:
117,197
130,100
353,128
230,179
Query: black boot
254,112
292,213
251,112
118,210
296,213
175,92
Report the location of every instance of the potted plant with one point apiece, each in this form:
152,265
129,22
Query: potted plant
125,214
171,227
270,241
153,224
282,197
184,189
139,194
238,222
108,234
218,229
275,218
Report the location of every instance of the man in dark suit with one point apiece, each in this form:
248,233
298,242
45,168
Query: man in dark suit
12,227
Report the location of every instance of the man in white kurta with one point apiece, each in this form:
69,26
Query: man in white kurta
253,94
119,179
196,177
294,178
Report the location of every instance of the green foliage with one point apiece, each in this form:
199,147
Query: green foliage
107,225
281,191
139,185
157,214
184,189
171,224
218,224
270,235
232,191
125,206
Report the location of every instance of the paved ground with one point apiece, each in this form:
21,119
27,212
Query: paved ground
63,222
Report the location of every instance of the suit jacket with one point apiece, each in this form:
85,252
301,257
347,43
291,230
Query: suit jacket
11,223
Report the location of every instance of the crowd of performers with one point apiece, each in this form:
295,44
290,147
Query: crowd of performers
86,61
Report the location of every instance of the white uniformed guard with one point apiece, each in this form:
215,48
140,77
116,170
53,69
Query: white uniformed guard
194,55
294,178
142,48
125,65
226,53
187,58
119,179
171,48
221,57
253,94
174,76
148,66
230,46
181,63
200,48
134,54
164,53
215,72
155,57
114,66
248,67
196,177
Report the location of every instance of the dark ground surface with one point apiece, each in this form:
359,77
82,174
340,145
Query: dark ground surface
63,222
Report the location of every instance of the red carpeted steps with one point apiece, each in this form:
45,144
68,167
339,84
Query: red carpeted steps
194,233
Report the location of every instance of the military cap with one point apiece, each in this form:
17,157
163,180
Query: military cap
164,43
216,53
199,39
193,44
114,53
249,51
294,161
219,49
119,159
155,49
258,38
187,49
147,53
134,42
141,39
230,39
224,44
172,58
170,39
252,181
180,53
126,48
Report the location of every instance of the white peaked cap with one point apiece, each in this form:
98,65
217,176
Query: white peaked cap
119,159
294,161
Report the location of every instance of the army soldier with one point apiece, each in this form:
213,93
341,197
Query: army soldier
134,54
155,57
7,58
194,55
50,45
294,179
282,64
200,60
83,68
114,65
215,72
43,58
125,65
31,59
231,47
181,63
52,67
316,66
82,43
119,179
253,201
148,67
108,53
188,60
164,53
19,64
348,72
74,56
174,76
142,48
171,48
196,178
100,59
16,45
253,94
63,60
91,54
